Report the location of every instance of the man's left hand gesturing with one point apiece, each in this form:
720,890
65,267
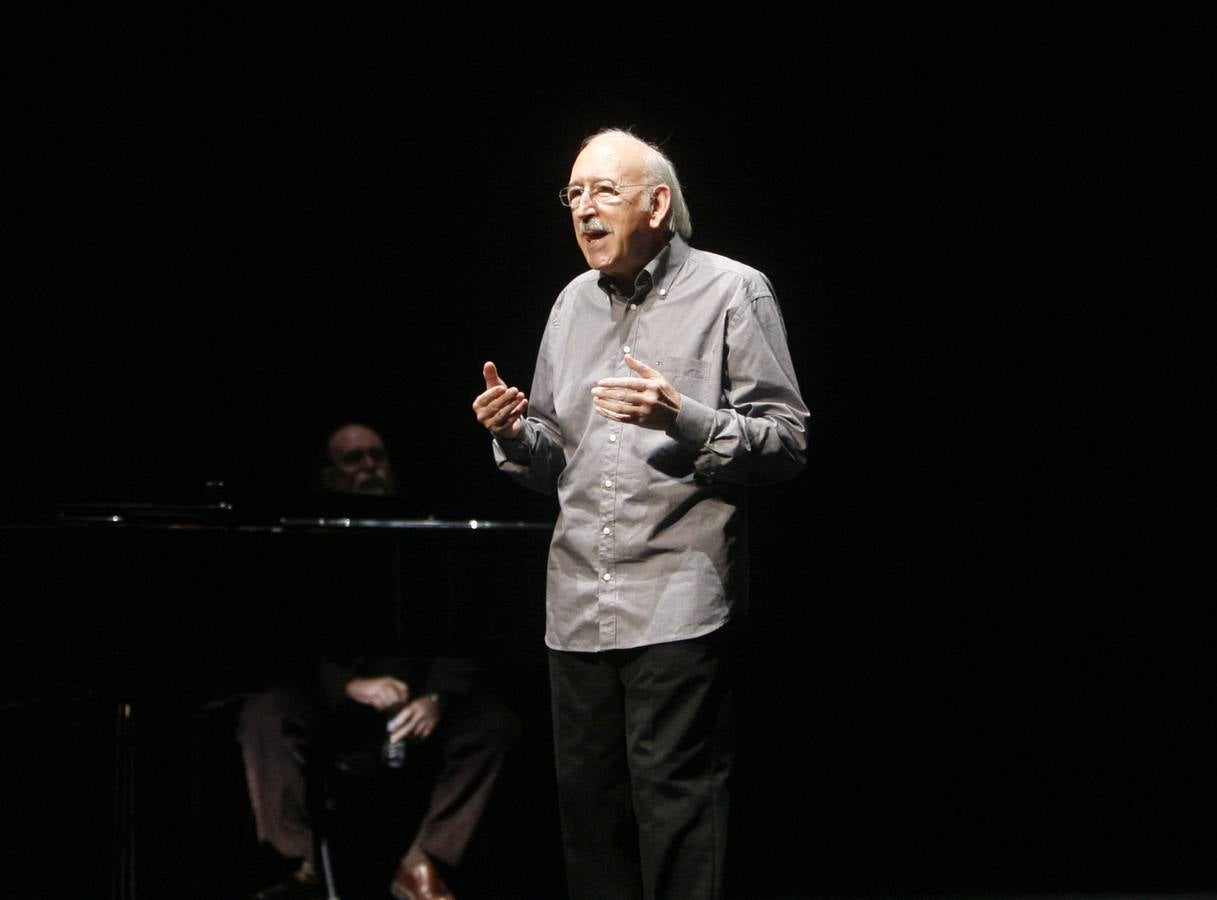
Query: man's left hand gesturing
648,400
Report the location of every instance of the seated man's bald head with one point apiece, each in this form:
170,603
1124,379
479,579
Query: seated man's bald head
357,462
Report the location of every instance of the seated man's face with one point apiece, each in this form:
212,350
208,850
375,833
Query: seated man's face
360,463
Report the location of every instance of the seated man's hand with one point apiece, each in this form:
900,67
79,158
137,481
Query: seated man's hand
380,693
417,720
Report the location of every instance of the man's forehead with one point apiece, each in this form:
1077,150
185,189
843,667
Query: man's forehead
609,156
353,436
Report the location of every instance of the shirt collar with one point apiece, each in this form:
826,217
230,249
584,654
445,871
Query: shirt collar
655,273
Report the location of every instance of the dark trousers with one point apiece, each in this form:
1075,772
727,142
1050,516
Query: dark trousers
644,741
279,728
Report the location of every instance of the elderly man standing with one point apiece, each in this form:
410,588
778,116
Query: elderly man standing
663,387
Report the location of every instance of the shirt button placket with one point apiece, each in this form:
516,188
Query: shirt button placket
608,592
608,513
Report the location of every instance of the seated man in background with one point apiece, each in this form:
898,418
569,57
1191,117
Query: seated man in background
428,701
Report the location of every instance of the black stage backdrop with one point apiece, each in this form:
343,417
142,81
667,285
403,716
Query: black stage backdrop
233,230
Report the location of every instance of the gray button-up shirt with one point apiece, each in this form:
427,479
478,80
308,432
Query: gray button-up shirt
650,542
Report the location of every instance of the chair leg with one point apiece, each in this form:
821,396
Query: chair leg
327,869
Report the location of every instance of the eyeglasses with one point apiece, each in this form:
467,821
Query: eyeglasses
603,193
356,456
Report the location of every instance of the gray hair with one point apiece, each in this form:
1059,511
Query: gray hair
658,170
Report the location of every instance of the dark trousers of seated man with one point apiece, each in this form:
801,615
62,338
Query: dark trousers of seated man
644,743
279,729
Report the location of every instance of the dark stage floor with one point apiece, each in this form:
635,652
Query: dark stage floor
193,835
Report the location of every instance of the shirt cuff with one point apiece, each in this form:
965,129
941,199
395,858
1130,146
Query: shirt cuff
693,425
515,450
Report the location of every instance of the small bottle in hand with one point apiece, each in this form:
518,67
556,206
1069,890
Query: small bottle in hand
392,753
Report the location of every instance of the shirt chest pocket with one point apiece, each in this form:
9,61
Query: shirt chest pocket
689,376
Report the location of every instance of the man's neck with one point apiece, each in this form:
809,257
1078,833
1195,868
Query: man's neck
626,286
625,289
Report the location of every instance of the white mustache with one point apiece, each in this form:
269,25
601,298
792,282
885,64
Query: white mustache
594,225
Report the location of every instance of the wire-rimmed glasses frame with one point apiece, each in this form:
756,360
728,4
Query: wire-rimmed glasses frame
601,192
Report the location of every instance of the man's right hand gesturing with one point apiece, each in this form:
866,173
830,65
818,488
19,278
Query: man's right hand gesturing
500,408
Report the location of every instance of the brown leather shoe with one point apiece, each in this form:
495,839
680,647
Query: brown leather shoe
419,882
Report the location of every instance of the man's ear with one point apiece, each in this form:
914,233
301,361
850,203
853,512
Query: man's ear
661,202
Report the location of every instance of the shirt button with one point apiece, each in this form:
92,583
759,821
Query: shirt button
633,306
607,577
663,292
606,530
626,348
612,438
608,483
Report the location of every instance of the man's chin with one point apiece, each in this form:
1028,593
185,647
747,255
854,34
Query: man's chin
605,267
597,259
